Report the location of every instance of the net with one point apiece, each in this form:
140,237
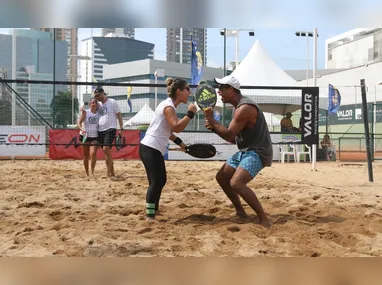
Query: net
34,112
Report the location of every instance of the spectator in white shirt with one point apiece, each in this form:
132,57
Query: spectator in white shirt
109,112
88,124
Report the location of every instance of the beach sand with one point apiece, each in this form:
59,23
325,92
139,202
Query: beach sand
49,208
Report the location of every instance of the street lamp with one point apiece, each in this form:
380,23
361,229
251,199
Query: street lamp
307,35
14,75
232,33
75,76
313,34
235,33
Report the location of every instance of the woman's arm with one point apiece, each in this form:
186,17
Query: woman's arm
81,120
176,124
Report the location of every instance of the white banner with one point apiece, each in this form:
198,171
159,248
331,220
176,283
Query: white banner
17,140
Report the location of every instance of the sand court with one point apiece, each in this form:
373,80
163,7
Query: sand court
49,208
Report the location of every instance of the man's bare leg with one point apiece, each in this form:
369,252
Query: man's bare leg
109,161
223,177
239,183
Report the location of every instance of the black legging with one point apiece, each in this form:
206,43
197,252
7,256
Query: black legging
156,173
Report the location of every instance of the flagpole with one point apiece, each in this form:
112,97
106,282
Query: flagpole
224,70
314,146
196,121
14,75
181,45
156,88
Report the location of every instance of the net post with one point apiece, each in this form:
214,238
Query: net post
367,133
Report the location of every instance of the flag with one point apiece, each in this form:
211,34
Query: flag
217,116
94,86
129,89
334,99
196,64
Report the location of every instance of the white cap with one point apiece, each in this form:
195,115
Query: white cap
232,81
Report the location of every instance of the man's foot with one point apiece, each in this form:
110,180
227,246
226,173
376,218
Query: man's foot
266,223
241,214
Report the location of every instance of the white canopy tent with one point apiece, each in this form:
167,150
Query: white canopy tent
143,117
258,69
272,120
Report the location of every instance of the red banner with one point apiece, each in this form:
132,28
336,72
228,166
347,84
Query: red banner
64,144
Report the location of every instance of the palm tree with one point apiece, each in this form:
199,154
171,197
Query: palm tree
61,108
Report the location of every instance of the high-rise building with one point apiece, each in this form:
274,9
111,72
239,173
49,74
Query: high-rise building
34,48
178,48
108,50
130,32
71,37
354,48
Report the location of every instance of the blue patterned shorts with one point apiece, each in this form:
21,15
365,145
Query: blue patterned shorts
248,160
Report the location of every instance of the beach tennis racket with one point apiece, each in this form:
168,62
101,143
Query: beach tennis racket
205,96
118,142
199,150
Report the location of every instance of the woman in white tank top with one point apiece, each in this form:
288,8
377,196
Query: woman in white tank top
153,145
88,124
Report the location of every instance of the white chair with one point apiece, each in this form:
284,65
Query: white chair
300,150
286,149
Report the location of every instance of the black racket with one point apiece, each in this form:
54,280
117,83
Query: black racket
205,96
199,150
118,142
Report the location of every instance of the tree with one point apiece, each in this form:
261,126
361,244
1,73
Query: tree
61,109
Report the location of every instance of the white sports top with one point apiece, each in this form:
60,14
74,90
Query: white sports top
108,115
159,131
91,124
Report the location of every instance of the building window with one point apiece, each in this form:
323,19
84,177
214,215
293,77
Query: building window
129,78
370,54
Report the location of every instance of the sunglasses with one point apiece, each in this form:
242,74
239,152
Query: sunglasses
223,86
187,88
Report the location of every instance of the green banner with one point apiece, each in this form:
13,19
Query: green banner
350,114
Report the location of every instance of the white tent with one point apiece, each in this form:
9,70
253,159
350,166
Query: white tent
143,117
258,69
272,120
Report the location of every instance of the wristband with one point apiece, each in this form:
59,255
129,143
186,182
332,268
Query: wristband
178,141
190,114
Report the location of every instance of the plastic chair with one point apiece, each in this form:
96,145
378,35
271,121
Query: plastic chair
300,150
286,149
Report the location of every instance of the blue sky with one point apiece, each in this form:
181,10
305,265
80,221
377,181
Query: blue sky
287,50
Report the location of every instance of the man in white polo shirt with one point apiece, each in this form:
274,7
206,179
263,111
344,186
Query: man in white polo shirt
109,112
